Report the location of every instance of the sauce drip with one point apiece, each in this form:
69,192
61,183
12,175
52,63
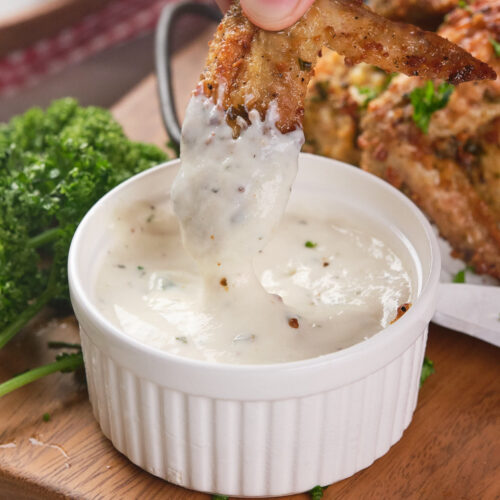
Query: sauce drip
229,196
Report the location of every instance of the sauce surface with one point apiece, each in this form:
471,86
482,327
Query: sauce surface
339,281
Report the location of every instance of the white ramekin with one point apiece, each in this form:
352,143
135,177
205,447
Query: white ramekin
267,429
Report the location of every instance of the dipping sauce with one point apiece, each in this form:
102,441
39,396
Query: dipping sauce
223,293
339,283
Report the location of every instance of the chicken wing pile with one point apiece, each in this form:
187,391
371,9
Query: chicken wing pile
453,171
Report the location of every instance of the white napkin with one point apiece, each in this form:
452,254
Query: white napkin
472,307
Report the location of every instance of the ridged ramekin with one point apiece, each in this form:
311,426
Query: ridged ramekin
258,430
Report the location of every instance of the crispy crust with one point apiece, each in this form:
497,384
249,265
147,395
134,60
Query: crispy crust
248,68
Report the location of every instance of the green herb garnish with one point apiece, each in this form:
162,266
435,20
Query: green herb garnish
460,276
54,165
496,47
317,492
427,370
304,65
369,94
220,497
426,100
182,339
64,363
46,417
310,244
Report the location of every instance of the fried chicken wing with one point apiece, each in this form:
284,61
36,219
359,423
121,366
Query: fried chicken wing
248,68
453,171
336,101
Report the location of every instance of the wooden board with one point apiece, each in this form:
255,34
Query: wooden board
451,449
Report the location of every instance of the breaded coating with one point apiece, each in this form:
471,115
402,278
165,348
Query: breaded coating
336,100
453,171
248,68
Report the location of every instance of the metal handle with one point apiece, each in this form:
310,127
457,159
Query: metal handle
163,54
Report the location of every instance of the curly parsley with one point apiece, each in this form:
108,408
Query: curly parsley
54,165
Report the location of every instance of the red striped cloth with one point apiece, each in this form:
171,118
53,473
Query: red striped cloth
117,22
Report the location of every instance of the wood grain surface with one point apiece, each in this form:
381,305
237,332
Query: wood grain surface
450,451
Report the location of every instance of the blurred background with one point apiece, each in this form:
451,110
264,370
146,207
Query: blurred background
93,50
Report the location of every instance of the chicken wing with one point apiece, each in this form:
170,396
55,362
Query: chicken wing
453,171
248,68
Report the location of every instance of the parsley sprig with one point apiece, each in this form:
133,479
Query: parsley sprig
427,100
65,363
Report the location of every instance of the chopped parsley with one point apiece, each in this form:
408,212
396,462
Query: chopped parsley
460,276
369,94
182,339
304,65
317,492
427,370
496,47
46,417
310,244
428,99
220,497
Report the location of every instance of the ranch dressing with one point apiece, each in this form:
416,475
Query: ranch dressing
224,294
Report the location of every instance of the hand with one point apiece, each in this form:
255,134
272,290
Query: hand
272,15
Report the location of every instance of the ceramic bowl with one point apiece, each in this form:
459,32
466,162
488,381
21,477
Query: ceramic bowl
257,430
